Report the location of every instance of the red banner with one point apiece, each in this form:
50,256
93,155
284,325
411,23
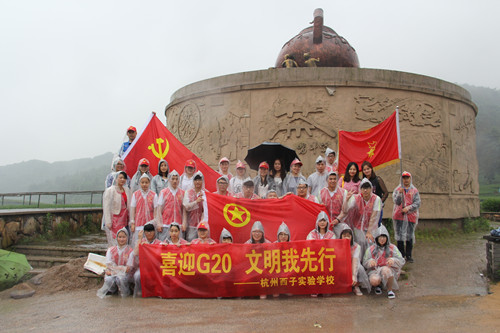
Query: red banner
156,142
238,216
232,270
377,145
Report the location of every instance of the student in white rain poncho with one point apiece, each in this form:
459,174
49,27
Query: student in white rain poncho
203,235
321,231
175,235
145,236
331,163
224,168
293,178
169,206
383,263
318,180
142,207
186,180
115,203
257,234
236,183
363,211
119,266
160,181
222,185
334,198
283,235
405,215
225,236
359,277
116,166
195,206
142,168
263,181
303,192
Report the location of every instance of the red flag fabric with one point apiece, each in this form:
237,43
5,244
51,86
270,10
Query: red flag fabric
378,145
156,142
238,216
233,270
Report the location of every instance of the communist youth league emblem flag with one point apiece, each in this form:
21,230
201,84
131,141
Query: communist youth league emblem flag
379,145
155,142
234,213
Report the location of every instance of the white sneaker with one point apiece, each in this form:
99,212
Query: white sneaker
357,291
378,291
391,295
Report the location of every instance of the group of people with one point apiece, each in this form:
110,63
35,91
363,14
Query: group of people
171,209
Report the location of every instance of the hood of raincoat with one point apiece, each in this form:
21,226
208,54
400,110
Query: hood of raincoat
323,216
283,228
154,227
115,162
168,167
343,227
382,230
328,151
258,226
365,181
177,225
123,230
225,234
173,173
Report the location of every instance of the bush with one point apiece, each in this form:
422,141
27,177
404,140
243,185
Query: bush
490,205
62,230
473,225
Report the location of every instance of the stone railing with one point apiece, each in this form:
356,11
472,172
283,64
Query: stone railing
17,224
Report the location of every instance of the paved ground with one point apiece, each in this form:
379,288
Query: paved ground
444,292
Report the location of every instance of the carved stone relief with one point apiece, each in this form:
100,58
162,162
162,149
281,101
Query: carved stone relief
428,160
463,143
417,112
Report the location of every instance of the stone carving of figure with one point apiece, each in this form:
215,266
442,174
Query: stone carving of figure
289,62
310,62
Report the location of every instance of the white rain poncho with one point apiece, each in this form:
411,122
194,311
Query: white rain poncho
228,174
142,210
334,166
225,234
115,210
315,233
236,183
317,181
134,183
257,226
137,274
362,215
169,207
111,176
159,183
358,271
405,224
119,259
380,255
291,182
195,211
283,228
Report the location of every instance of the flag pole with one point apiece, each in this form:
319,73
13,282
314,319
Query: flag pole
400,156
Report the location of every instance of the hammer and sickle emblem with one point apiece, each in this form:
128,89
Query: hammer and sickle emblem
237,212
160,153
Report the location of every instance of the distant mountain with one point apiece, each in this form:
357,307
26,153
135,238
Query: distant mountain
487,131
75,175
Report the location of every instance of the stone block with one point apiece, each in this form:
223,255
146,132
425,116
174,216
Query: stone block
30,226
2,225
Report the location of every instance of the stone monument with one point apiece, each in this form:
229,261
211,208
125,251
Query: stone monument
305,107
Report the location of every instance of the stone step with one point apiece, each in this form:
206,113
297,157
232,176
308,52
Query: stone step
37,271
58,251
46,261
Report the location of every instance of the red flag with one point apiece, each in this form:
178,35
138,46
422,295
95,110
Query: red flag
155,142
238,216
378,145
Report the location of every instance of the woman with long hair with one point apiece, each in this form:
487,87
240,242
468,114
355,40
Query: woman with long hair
350,181
278,173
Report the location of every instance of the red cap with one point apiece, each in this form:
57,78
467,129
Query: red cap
144,161
203,225
224,159
131,128
296,161
264,165
406,174
240,165
190,163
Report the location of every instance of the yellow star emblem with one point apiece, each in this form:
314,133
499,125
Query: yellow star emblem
237,212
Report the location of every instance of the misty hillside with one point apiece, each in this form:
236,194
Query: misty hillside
487,131
75,175
89,173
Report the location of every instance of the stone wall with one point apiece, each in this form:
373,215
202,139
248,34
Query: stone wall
304,108
16,226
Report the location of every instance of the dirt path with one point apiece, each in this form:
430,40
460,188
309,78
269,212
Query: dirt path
444,293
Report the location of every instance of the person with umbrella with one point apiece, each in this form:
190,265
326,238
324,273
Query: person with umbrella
293,178
277,156
263,182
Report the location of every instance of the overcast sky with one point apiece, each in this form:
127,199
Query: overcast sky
75,74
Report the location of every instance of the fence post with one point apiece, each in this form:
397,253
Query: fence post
91,195
38,205
64,199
